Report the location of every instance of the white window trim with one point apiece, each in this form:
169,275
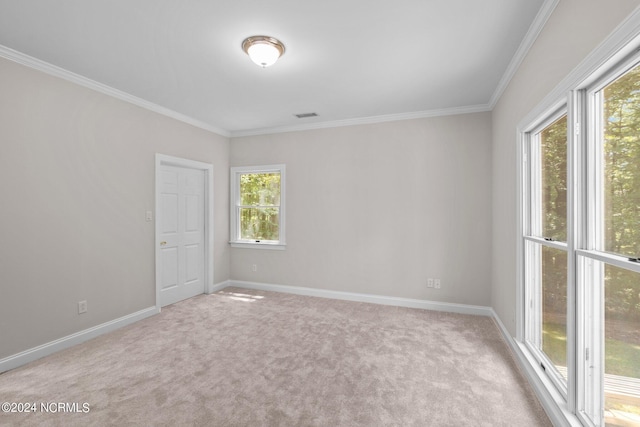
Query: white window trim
609,58
530,232
234,222
591,253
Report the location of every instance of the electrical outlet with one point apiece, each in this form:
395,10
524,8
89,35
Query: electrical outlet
429,283
436,284
82,307
254,267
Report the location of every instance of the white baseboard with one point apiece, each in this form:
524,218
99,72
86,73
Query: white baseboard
43,350
217,286
375,299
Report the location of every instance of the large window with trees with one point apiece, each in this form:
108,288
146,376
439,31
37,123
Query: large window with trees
546,245
580,246
257,211
608,267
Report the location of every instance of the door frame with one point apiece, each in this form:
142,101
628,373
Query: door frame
207,168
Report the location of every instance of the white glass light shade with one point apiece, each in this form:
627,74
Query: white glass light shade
263,54
263,50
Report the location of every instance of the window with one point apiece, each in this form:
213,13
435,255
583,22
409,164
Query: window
546,246
257,211
580,247
608,269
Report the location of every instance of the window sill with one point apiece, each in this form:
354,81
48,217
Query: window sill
261,245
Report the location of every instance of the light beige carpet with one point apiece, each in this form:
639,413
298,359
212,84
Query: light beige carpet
252,358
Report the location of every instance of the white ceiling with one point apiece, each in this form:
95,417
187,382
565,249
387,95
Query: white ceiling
346,60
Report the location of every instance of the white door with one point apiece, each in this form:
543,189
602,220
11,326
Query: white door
181,233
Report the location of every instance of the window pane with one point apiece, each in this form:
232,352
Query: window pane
621,159
553,154
260,223
260,189
554,307
622,346
546,270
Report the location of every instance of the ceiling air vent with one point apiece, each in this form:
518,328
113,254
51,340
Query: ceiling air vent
305,115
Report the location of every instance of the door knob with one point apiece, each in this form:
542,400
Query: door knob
163,243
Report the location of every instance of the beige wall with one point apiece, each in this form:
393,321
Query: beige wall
575,28
378,209
76,177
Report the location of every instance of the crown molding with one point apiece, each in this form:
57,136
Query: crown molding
534,30
365,120
53,70
532,34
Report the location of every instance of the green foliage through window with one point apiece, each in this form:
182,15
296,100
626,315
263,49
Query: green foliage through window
554,305
621,190
622,165
553,144
259,209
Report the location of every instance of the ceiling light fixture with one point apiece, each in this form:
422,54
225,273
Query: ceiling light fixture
263,50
